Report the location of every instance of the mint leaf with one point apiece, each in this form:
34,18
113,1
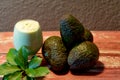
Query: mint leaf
22,57
11,56
25,78
18,67
38,72
35,62
24,51
14,76
6,68
28,78
20,61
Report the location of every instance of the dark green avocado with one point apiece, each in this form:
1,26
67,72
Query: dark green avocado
55,53
88,35
71,31
83,56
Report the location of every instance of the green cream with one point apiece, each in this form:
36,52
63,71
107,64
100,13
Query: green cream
28,33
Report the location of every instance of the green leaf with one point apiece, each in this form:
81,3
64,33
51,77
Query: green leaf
25,78
6,68
11,56
35,62
14,76
20,61
38,72
22,57
28,78
24,52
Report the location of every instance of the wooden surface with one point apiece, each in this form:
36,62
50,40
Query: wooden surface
107,68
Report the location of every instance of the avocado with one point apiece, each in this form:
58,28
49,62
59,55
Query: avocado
88,35
83,56
55,53
71,31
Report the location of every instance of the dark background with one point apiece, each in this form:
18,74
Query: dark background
93,14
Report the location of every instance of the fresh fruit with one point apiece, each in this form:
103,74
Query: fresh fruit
88,35
83,56
71,31
54,53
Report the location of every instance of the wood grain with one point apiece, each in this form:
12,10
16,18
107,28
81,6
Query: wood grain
107,68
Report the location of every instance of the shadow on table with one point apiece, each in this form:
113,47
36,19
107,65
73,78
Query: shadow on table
63,72
97,69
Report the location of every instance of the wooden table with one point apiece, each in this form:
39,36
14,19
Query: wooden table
107,68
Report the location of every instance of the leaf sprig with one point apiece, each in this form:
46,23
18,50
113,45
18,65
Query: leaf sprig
18,67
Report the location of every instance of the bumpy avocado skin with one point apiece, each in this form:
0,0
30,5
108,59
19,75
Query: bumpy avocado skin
71,31
83,57
88,35
54,53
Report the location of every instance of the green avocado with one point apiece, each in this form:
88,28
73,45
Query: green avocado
88,35
71,31
83,56
55,53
